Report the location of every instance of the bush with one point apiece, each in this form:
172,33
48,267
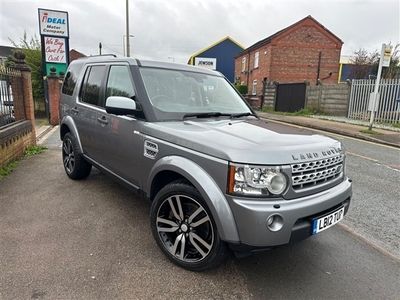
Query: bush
242,89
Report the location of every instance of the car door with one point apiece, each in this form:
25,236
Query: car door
122,146
88,108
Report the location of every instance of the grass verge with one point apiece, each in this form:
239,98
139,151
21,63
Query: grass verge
367,131
301,112
30,151
396,125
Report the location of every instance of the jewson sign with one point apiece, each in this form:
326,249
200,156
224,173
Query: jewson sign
53,22
206,62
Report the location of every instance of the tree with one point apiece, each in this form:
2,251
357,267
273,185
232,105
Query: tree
366,63
32,49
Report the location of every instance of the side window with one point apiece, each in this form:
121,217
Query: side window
119,82
70,79
90,91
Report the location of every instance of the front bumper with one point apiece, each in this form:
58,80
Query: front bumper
251,215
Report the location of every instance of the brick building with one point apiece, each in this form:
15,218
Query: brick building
304,51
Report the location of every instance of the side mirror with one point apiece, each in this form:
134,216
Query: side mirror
120,106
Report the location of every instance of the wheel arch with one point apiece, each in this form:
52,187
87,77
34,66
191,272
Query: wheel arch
67,124
182,168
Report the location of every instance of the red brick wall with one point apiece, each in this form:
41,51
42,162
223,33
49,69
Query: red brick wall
262,71
293,57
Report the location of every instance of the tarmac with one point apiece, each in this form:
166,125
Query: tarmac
91,239
382,136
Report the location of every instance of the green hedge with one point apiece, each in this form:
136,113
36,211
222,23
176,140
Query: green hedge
242,89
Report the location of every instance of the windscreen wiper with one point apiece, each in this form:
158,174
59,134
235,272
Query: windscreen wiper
243,115
206,115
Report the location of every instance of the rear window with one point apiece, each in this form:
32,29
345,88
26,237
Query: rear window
70,79
91,89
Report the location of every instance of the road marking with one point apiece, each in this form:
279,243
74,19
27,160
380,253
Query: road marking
331,133
362,156
369,242
373,160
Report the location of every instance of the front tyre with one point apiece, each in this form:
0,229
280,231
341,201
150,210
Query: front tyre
75,164
184,228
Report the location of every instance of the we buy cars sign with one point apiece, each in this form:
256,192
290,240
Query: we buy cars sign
54,38
55,49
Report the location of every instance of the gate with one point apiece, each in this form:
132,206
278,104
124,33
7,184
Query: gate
290,97
10,80
389,103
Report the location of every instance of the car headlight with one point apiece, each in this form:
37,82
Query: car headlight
256,180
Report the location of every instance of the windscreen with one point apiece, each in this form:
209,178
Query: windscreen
174,93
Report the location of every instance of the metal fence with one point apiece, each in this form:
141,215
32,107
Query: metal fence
9,80
389,103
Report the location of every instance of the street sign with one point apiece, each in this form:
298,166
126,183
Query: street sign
384,61
53,22
373,101
387,53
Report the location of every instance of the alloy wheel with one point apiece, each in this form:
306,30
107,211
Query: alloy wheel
68,155
185,228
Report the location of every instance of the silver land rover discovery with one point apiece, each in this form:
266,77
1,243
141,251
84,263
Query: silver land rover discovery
217,176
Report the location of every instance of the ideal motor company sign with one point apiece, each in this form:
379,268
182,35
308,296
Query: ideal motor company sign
55,49
54,23
206,62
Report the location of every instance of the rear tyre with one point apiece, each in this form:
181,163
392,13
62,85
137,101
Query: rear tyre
74,163
184,228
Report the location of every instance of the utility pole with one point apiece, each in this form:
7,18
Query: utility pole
127,29
384,61
100,46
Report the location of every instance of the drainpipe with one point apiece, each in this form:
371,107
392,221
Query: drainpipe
319,67
248,70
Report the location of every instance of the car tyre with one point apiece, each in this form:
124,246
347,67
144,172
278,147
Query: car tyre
74,163
184,228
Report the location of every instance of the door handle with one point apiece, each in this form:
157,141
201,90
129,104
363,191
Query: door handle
75,110
103,120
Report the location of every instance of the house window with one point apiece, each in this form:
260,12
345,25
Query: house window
256,58
254,88
243,63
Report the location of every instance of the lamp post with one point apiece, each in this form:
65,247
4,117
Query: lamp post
123,42
127,29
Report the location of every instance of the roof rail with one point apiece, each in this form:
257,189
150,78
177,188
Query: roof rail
103,55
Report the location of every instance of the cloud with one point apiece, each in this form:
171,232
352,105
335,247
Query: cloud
177,28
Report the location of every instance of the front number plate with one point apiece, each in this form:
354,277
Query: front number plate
320,224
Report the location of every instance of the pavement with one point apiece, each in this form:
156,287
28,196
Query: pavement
91,239
382,136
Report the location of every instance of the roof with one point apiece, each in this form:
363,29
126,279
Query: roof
111,58
213,45
74,54
6,51
268,39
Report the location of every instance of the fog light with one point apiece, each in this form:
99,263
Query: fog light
274,222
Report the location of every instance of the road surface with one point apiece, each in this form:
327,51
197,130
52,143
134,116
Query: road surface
91,239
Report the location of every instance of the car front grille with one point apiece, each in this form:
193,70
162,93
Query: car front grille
317,172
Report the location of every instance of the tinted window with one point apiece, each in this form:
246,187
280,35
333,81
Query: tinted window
119,82
91,88
70,79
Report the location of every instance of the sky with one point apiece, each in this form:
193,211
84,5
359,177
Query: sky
172,30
